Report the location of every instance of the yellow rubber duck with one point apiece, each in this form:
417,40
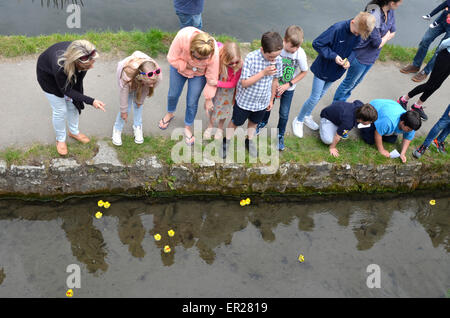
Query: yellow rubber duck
301,258
432,202
243,203
69,293
106,205
171,233
100,203
247,201
98,215
157,237
167,249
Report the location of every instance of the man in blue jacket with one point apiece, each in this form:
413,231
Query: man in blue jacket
189,12
335,47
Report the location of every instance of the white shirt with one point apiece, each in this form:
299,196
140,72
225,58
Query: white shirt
293,64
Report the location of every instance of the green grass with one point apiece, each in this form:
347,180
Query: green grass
302,151
37,153
153,42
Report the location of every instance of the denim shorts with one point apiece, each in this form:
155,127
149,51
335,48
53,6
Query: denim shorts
241,115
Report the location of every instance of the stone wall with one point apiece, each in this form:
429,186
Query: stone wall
105,174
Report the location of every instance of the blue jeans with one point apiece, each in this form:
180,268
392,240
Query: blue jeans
285,107
443,126
355,74
319,88
137,113
424,45
195,88
63,109
190,20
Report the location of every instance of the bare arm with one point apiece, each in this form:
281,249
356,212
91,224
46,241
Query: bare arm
379,144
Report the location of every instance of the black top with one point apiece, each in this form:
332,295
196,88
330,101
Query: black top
52,79
342,114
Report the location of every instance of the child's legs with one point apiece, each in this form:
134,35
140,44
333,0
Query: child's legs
327,131
424,44
73,117
118,125
238,119
137,111
319,88
59,110
221,123
439,74
354,75
265,119
285,107
176,83
254,118
195,88
443,124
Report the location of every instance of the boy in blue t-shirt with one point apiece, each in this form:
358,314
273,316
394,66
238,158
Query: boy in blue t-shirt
392,120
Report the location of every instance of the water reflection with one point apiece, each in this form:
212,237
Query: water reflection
58,4
207,225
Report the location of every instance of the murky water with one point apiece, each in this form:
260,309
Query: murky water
245,20
221,249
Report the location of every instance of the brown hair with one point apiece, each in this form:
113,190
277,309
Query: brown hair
203,44
366,113
271,42
294,35
228,53
365,23
136,79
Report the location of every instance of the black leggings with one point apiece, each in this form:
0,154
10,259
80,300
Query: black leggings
440,72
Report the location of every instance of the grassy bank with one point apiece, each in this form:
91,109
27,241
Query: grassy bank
153,42
302,151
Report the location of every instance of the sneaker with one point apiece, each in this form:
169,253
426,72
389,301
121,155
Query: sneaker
402,102
344,136
260,125
138,137
420,77
250,145
410,69
419,109
310,123
117,137
426,17
281,146
297,127
433,25
440,146
419,151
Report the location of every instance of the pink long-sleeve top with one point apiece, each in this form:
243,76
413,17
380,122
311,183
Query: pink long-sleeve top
136,59
232,80
179,57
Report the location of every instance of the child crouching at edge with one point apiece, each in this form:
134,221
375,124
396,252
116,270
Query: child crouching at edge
137,77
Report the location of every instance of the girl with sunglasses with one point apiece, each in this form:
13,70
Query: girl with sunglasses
193,57
230,66
137,77
60,73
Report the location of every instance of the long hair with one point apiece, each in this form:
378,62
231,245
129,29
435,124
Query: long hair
203,44
136,79
228,53
68,58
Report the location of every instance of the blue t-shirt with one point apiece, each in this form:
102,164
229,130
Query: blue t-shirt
368,50
193,7
389,112
342,114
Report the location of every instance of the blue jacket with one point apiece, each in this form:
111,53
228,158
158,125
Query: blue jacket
336,40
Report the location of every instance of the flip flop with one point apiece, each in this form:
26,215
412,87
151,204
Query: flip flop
189,140
165,123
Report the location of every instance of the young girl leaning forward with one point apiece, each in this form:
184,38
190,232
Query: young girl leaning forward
230,67
137,76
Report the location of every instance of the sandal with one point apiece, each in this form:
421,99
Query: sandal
189,140
164,123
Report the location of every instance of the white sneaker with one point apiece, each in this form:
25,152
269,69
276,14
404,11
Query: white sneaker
117,137
138,137
297,127
310,123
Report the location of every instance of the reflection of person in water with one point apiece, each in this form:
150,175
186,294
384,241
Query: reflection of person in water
131,232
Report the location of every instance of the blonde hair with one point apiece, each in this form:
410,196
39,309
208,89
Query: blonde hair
137,80
228,53
68,59
365,23
294,35
203,44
